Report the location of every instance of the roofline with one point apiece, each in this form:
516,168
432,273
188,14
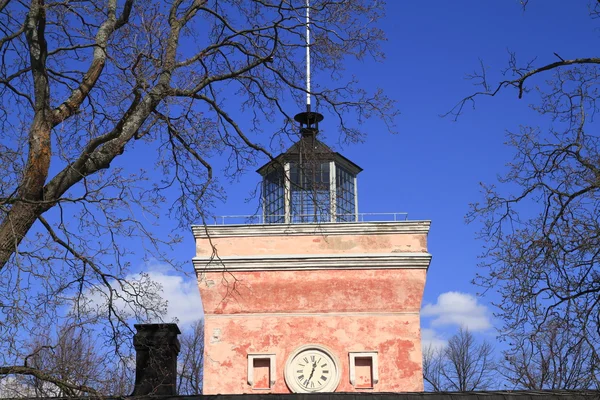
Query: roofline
308,229
488,394
281,158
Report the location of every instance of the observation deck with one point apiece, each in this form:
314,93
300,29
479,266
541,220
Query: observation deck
306,218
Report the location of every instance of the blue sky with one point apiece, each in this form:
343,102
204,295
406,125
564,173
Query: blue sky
433,166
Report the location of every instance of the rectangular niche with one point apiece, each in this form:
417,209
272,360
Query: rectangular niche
364,369
261,371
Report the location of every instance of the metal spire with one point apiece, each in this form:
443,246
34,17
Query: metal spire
308,119
308,55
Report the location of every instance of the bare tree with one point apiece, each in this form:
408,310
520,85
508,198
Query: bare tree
191,360
68,364
540,223
462,365
553,359
111,114
433,361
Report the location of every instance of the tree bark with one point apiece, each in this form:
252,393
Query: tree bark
23,212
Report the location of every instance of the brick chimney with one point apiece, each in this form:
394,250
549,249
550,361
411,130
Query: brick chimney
156,347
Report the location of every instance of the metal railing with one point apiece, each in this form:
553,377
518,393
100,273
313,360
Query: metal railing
308,218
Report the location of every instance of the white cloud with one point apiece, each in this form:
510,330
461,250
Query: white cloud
157,294
456,308
181,293
431,339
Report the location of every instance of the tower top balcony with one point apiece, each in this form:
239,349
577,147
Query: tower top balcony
259,219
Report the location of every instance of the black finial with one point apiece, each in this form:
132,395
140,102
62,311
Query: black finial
309,119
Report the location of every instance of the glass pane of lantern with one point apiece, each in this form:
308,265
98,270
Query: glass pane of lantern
274,197
345,196
310,192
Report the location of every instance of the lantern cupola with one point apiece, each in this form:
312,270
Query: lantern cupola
309,183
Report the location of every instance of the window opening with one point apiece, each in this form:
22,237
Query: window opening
261,371
364,369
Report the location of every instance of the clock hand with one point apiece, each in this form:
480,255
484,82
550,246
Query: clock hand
313,371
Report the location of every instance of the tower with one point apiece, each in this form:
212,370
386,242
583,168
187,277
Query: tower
314,298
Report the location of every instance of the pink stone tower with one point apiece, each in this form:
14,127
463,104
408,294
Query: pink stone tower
312,296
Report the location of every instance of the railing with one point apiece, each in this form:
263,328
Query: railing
308,218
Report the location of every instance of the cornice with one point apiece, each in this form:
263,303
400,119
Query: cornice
325,229
294,262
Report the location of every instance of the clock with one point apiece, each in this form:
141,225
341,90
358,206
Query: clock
312,368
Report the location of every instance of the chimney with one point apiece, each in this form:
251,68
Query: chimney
156,347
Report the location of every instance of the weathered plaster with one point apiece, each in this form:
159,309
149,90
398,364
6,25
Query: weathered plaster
312,291
273,299
311,244
396,338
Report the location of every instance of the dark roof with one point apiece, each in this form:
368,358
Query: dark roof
491,395
484,395
301,145
316,147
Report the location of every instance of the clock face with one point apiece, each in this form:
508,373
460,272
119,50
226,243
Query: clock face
312,368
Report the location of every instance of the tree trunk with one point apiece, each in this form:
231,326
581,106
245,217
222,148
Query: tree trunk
23,212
